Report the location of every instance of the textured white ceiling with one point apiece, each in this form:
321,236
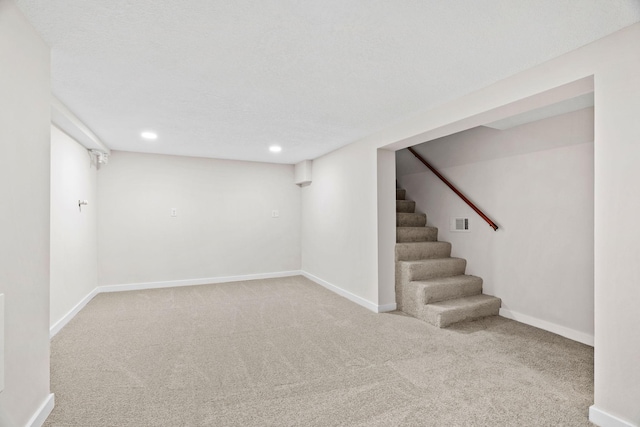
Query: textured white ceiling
226,79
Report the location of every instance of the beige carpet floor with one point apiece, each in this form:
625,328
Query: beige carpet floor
287,352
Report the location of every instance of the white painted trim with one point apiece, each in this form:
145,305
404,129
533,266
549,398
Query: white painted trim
348,295
70,124
56,327
604,419
572,334
40,416
192,282
387,307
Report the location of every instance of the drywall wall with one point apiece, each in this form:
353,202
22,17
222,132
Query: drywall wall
24,246
617,204
609,65
339,226
74,232
536,182
386,230
223,225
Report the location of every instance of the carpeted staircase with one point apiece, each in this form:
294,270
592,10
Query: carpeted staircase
430,284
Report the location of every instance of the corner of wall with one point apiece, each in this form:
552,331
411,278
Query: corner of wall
43,412
604,419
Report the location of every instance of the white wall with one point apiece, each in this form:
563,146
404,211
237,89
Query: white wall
74,232
224,225
386,230
536,182
24,188
617,204
339,226
614,63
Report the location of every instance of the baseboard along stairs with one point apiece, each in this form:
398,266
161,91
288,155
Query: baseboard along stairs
430,284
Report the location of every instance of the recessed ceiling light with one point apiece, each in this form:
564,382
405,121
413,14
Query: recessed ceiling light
275,149
149,135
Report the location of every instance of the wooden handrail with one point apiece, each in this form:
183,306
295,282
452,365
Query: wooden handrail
455,190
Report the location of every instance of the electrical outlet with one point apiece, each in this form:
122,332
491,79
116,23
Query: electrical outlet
275,214
174,212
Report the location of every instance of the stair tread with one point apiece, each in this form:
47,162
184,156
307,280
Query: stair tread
416,234
416,244
405,206
463,303
433,260
422,250
448,312
408,219
449,280
425,269
410,213
446,288
412,228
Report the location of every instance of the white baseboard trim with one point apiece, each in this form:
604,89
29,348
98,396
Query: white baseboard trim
385,308
348,295
572,334
604,419
40,416
193,282
56,327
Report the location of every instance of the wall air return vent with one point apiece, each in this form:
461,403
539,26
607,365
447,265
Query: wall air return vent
460,224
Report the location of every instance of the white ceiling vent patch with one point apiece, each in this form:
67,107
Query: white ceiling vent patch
460,224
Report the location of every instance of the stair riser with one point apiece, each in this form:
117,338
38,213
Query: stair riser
416,234
442,320
422,250
400,194
443,292
411,220
431,269
407,206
